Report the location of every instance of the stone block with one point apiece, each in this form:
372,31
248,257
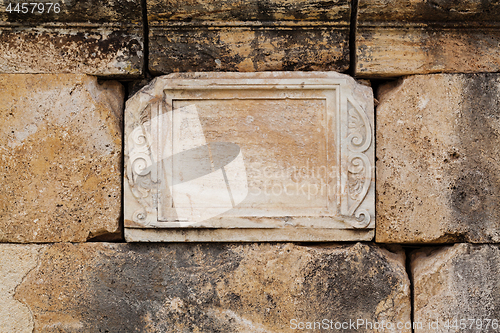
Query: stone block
395,38
92,287
248,36
437,169
60,157
250,157
82,37
458,285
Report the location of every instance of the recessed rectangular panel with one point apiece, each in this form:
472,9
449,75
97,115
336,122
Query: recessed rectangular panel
283,143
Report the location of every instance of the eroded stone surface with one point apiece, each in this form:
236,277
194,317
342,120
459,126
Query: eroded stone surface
61,157
248,36
459,282
437,149
211,288
90,37
397,38
253,10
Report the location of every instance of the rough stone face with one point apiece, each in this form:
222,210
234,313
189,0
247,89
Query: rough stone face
437,148
397,38
90,37
459,282
248,36
96,287
60,156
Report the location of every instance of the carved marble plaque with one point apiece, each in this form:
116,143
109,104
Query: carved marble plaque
275,156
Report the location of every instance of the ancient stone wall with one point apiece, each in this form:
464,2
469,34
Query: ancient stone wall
419,77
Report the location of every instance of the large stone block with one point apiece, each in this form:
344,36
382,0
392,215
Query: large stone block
273,156
456,289
98,287
397,37
83,37
248,36
438,176
60,157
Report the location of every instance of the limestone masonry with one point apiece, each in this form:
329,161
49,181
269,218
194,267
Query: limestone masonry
233,166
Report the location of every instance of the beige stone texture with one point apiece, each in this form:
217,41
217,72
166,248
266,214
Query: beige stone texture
60,153
92,287
283,152
437,159
248,36
396,38
456,283
16,261
85,37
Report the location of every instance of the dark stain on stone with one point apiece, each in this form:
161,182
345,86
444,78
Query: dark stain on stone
175,285
85,46
475,274
181,50
95,11
141,287
203,287
476,189
344,283
251,10
431,11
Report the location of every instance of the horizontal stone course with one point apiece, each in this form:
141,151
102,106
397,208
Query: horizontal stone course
252,10
248,36
440,11
95,287
85,37
395,38
68,11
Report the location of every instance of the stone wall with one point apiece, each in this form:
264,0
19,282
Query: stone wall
66,72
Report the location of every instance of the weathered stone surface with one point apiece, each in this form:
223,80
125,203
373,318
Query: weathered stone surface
16,261
248,36
275,150
457,283
94,287
60,156
90,37
252,10
437,149
397,38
